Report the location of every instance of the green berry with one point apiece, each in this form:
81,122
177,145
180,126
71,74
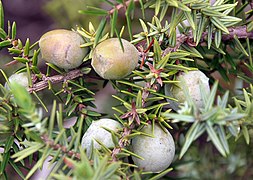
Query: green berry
111,62
62,48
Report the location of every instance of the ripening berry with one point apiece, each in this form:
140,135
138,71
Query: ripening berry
111,62
97,132
21,78
62,48
158,151
192,80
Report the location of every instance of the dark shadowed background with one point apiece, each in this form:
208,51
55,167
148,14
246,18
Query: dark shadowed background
33,19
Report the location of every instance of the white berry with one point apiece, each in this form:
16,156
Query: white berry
20,78
97,132
158,151
192,80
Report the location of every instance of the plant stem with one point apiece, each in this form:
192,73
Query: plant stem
54,80
119,6
240,32
63,149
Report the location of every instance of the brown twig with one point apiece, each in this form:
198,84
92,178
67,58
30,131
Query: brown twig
119,6
123,141
251,5
54,80
181,38
240,32
63,149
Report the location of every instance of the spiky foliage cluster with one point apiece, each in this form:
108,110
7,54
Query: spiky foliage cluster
214,37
